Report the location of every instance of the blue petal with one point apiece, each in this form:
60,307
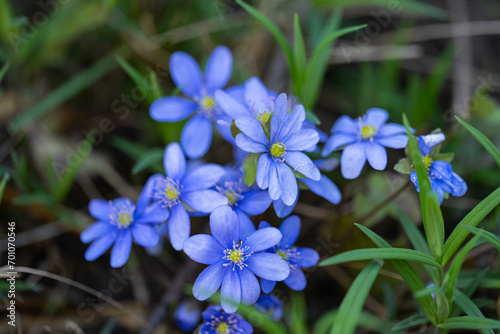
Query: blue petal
324,188
289,188
154,214
397,141
121,249
99,246
268,266
225,226
186,74
179,226
303,164
174,161
256,95
144,235
292,125
376,117
267,285
391,129
336,141
145,196
247,144
302,140
245,326
263,170
290,229
209,280
352,160
346,125
328,164
308,257
100,209
94,231
414,179
250,289
231,291
172,109
459,186
262,239
439,192
202,177
296,281
264,224
280,115
229,105
274,183
237,92
196,136
376,155
204,201
427,143
252,128
283,210
219,68
203,248
255,202
246,225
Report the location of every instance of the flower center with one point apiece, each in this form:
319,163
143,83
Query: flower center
236,257
222,328
232,190
207,103
368,131
263,117
427,160
167,192
232,197
122,215
278,150
125,219
283,253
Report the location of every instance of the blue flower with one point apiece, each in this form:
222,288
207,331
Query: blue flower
441,175
180,191
296,257
217,322
233,264
281,148
271,306
244,200
364,139
118,222
196,135
187,315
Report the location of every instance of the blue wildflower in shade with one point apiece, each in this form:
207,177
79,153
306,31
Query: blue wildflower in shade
364,139
233,264
179,192
196,135
271,306
441,175
187,315
118,222
245,201
296,257
219,322
281,149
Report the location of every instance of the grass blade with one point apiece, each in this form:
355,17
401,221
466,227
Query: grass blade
486,235
468,306
487,144
352,304
148,159
299,56
412,232
470,322
412,321
4,70
3,183
381,253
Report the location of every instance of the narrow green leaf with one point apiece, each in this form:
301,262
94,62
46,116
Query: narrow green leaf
412,321
427,291
148,159
3,183
297,317
473,218
136,76
486,235
470,322
468,306
275,31
64,92
381,253
487,144
250,167
431,214
4,69
352,304
413,233
366,320
299,56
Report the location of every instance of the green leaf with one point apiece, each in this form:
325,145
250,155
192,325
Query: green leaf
403,166
352,304
448,157
139,79
275,31
312,117
487,144
366,320
297,316
412,321
473,218
64,92
381,253
413,233
234,129
148,159
250,167
470,322
4,69
3,183
468,306
488,236
299,56
427,291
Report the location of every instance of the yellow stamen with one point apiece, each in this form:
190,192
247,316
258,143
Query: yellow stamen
222,328
235,255
427,161
368,131
125,219
278,150
207,103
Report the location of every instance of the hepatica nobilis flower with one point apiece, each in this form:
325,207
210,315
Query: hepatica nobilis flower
217,322
233,264
196,135
441,175
271,306
179,192
118,222
187,315
280,147
245,201
364,139
296,257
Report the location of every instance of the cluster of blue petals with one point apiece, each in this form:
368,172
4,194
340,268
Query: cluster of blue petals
216,321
